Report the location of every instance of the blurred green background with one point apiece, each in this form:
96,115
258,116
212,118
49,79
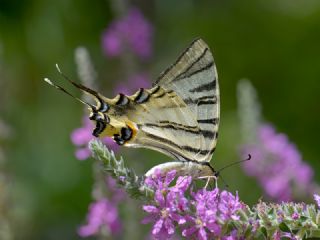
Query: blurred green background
274,43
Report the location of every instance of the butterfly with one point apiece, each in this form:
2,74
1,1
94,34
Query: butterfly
178,116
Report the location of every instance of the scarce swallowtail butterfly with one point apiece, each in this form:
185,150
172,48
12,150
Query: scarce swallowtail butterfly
178,116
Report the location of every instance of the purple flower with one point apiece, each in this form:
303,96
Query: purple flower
213,209
204,224
132,32
277,164
160,182
317,199
229,205
202,216
170,203
102,215
83,135
295,216
165,213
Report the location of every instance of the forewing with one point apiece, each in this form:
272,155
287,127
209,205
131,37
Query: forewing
194,78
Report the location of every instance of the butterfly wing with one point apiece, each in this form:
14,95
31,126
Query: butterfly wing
179,116
194,78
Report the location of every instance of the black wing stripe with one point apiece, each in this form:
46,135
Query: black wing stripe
213,121
202,100
208,101
176,62
206,133
179,147
174,126
205,87
181,75
206,67
209,134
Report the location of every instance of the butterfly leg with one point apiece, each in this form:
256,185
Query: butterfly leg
208,180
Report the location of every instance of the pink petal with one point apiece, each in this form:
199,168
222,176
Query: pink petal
169,226
157,227
150,209
202,235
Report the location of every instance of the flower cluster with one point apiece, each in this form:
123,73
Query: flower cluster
278,165
103,216
176,209
202,216
215,214
131,32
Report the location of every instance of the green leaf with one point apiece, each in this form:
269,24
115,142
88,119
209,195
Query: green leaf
264,231
284,228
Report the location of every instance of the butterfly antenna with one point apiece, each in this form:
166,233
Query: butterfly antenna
78,85
66,92
234,163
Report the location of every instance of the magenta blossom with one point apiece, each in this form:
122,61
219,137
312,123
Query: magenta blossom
169,203
201,215
212,210
159,182
164,214
277,164
102,215
132,32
